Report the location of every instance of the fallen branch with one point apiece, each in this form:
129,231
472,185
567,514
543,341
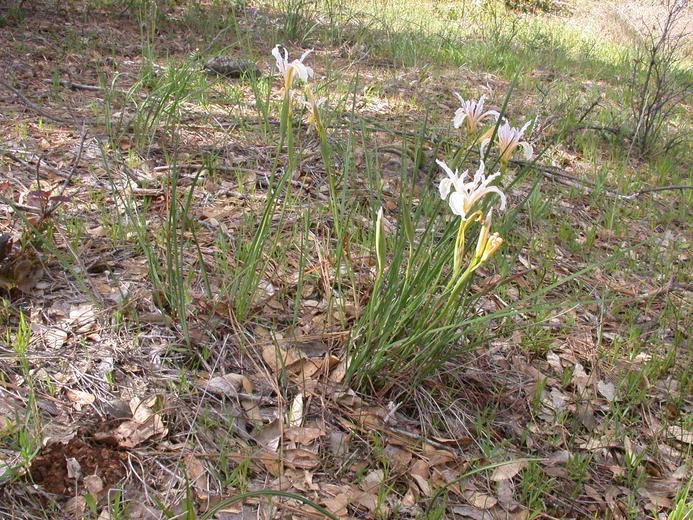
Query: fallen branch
74,86
33,106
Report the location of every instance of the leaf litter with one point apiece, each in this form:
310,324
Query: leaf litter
265,412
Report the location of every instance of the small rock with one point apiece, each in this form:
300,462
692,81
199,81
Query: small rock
232,67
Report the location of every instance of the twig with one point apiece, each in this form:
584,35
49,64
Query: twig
33,105
659,188
75,86
615,131
59,199
27,164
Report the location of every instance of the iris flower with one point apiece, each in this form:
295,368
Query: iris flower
487,244
293,69
313,106
467,194
471,113
508,140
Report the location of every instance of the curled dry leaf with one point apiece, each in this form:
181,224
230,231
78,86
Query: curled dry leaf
300,458
303,435
79,397
507,471
268,437
75,507
296,412
229,385
480,500
197,476
607,390
93,484
144,425
74,469
681,435
133,433
278,358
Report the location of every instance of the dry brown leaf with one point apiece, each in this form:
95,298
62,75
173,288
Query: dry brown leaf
338,504
303,435
74,470
659,499
152,427
339,443
83,317
369,501
54,337
554,361
580,378
409,498
229,385
296,412
681,435
607,390
439,457
423,484
141,410
506,493
197,476
93,484
79,397
133,433
76,507
278,358
338,373
399,459
471,512
373,480
300,458
507,471
480,500
268,437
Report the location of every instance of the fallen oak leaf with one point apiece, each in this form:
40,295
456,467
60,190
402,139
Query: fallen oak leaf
132,433
507,471
681,435
229,385
480,500
279,358
300,458
79,397
303,435
196,474
296,411
607,390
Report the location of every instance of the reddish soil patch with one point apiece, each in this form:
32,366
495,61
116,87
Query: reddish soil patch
50,468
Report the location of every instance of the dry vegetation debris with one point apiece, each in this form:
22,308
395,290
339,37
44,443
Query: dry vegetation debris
110,408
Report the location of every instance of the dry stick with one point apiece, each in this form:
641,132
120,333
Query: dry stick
33,105
27,164
68,180
74,86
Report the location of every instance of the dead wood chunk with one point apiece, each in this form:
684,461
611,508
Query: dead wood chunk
232,67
